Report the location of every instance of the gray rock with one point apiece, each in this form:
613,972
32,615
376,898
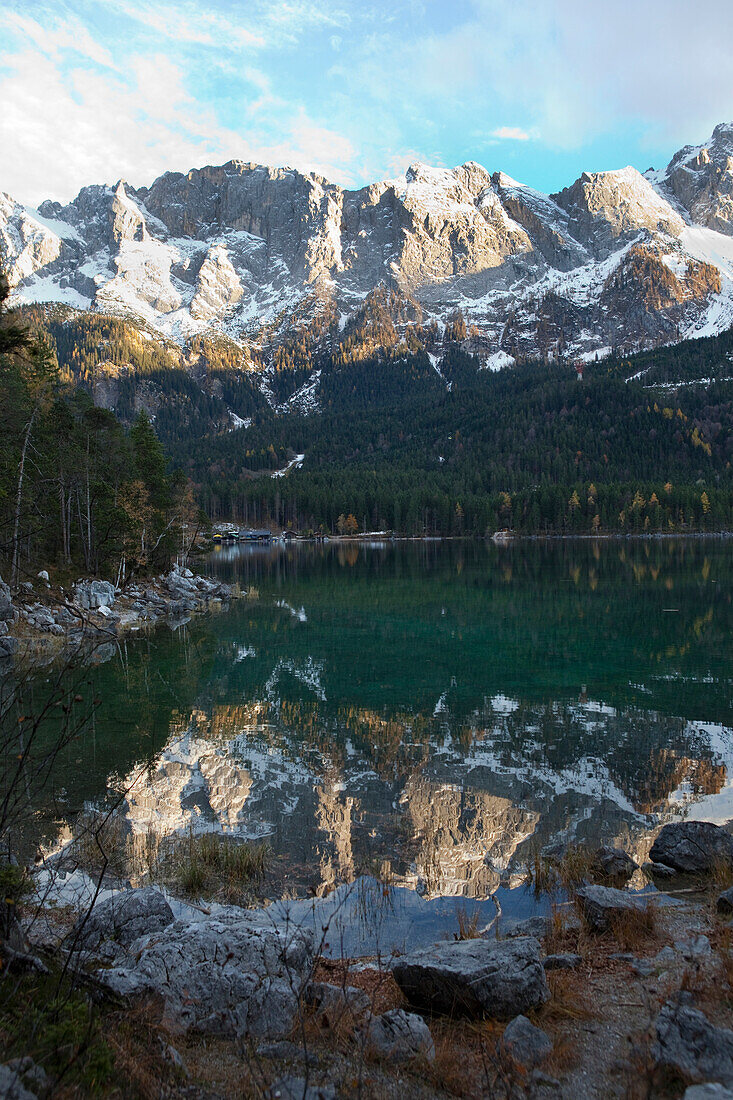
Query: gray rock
701,180
643,967
561,962
6,602
474,977
8,646
696,947
659,870
399,1036
528,1045
665,956
12,1087
232,973
602,905
708,1092
690,1044
33,1076
693,847
615,863
271,1008
125,917
336,1004
531,926
284,1049
295,1088
90,595
724,903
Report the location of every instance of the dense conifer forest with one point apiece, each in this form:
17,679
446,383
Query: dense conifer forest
79,490
401,433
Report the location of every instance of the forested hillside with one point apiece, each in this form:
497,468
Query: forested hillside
78,489
402,440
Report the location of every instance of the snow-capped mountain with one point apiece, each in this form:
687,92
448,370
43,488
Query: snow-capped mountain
618,259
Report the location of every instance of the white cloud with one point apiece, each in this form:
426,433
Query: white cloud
562,68
259,23
185,24
70,35
63,129
510,133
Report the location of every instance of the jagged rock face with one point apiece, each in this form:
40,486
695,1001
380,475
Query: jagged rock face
26,246
606,208
292,213
233,246
701,179
456,225
546,223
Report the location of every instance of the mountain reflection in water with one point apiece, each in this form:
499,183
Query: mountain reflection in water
436,713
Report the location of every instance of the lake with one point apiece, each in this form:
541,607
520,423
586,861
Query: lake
434,712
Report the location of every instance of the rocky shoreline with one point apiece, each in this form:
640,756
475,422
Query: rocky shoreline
616,995
40,621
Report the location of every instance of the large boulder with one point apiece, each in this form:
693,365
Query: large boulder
688,1043
125,917
602,906
6,602
234,973
693,847
615,863
474,977
399,1036
89,595
526,1044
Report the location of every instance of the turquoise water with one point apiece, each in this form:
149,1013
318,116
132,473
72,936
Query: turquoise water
434,712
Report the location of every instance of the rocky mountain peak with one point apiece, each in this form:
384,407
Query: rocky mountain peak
700,177
234,245
606,208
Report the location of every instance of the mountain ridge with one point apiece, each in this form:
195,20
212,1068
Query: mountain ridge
618,259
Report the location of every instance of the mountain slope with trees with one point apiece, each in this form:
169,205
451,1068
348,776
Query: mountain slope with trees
404,440
78,490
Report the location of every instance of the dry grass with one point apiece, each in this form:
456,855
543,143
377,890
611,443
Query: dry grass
559,936
541,874
138,1043
636,929
576,865
467,925
721,873
563,1057
467,1063
569,1001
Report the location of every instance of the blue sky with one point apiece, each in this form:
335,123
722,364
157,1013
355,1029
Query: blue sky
95,90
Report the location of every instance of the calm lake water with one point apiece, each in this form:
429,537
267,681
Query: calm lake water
441,711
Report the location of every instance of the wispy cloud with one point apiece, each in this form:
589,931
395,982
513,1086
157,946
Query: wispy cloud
96,89
511,133
69,125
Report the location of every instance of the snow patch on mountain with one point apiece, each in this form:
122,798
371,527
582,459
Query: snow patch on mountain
235,247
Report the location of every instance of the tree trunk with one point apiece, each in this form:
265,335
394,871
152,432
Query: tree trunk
18,499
